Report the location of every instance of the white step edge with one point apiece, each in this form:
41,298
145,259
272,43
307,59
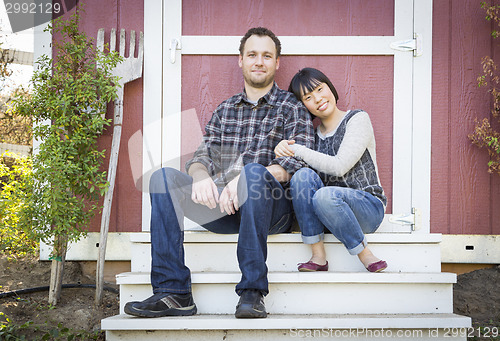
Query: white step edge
301,277
215,322
295,237
202,257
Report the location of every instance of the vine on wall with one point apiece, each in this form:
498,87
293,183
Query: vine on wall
485,135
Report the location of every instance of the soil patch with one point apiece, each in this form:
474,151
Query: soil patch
477,294
75,310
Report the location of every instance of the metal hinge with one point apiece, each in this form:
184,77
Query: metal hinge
414,219
409,45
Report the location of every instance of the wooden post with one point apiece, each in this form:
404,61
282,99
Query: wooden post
108,198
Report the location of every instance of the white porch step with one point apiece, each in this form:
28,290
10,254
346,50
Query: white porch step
315,293
206,251
284,327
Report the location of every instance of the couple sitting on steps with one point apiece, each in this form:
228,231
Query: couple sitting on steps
259,162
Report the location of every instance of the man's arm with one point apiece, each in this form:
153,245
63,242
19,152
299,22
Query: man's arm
298,126
208,153
204,190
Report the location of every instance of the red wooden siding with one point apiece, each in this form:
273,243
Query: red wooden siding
289,17
464,197
127,201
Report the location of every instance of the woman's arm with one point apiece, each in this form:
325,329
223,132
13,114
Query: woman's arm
359,133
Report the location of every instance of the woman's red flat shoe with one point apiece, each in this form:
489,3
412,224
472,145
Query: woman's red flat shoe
377,266
310,266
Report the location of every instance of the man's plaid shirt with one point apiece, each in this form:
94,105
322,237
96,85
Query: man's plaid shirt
240,133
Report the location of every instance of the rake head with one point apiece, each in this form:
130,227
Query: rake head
131,67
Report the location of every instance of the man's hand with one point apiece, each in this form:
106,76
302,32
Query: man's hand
228,200
204,190
279,173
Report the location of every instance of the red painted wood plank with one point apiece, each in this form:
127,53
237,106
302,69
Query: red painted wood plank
289,17
440,158
471,214
459,27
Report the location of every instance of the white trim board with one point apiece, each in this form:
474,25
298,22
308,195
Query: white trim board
470,249
295,45
118,248
454,248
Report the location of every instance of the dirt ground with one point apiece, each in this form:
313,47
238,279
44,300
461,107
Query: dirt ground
75,310
476,294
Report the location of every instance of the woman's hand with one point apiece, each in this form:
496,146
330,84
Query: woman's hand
283,148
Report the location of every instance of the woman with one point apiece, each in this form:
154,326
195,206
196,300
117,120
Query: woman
344,193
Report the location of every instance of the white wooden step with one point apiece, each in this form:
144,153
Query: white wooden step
315,293
285,327
206,251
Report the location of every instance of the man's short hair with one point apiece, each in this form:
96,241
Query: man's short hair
260,31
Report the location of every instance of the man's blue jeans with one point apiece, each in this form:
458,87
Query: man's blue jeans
347,213
264,209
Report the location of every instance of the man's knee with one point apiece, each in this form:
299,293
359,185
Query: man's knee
254,173
253,170
158,181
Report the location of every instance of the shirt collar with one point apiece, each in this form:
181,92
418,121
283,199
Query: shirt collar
271,97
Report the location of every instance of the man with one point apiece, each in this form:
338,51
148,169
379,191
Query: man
233,185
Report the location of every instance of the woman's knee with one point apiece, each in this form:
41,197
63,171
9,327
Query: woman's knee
327,199
304,177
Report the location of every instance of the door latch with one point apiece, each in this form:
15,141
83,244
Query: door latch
414,219
411,45
175,44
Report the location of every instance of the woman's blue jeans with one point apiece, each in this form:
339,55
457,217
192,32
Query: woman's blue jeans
264,209
347,213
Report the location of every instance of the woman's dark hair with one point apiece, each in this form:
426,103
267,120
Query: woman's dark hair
306,80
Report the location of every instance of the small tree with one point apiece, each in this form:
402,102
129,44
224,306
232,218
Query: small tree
71,91
485,135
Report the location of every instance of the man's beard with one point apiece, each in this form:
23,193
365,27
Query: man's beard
261,82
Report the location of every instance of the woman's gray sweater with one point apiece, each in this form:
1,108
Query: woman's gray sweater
346,157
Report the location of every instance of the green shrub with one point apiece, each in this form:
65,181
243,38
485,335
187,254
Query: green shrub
15,176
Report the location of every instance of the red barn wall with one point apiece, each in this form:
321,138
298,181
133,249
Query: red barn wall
465,199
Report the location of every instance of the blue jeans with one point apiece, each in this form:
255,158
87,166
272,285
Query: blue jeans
264,209
347,213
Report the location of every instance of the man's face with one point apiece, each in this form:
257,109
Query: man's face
259,62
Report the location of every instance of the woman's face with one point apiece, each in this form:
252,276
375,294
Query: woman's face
320,102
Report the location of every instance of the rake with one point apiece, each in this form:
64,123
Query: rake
130,69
